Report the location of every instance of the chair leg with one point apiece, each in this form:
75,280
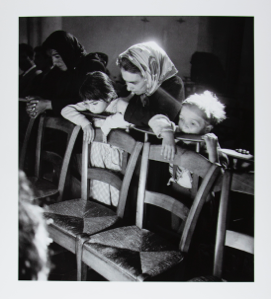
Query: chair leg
81,267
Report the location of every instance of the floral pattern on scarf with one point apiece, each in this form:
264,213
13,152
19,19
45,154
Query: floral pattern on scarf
154,64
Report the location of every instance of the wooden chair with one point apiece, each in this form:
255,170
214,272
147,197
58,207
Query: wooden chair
24,149
74,220
135,254
26,142
45,185
225,237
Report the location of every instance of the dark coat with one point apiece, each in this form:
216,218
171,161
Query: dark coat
62,87
26,81
165,100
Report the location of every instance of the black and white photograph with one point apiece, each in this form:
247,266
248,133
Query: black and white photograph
137,149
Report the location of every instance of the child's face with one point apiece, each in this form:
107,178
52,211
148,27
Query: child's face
95,107
191,120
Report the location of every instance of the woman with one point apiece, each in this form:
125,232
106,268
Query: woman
71,64
151,76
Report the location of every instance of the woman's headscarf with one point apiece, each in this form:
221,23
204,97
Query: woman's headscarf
153,62
67,45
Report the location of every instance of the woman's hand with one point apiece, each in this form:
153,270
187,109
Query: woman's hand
36,105
168,145
211,141
89,133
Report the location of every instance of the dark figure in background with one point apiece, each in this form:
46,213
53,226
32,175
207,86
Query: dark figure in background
26,81
33,236
28,67
61,85
207,72
44,63
42,60
71,64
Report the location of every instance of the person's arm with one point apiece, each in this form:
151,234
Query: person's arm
164,128
72,113
113,122
160,124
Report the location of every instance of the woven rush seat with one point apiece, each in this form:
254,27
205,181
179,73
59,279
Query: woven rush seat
135,253
139,252
43,188
74,218
74,221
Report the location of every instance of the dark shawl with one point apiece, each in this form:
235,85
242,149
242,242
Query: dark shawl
68,47
62,87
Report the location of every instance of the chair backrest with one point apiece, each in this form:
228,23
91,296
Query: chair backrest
45,156
131,151
225,237
195,163
28,133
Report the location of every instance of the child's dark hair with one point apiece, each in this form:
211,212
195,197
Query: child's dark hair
97,86
128,66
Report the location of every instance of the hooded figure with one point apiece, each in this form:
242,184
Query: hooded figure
71,64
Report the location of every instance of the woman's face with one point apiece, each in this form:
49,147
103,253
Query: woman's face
135,82
57,60
191,120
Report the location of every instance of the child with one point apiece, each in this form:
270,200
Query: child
99,96
199,114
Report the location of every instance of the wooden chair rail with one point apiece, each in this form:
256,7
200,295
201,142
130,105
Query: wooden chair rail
187,159
51,157
167,202
118,138
201,196
58,123
134,157
25,143
239,241
105,176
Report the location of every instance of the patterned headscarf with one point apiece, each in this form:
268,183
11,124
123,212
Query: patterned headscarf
153,62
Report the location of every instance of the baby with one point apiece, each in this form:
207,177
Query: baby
199,114
98,96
